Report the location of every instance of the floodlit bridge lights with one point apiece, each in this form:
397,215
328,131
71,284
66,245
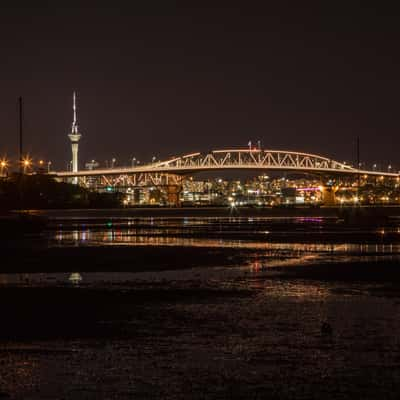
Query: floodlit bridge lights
233,159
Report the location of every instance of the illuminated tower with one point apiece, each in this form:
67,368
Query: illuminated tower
74,137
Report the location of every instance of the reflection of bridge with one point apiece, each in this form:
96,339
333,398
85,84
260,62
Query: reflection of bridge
217,160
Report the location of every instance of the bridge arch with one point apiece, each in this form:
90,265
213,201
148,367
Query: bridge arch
255,159
233,159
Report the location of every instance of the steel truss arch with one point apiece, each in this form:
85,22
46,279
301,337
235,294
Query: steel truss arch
232,159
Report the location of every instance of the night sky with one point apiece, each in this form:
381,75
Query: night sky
167,78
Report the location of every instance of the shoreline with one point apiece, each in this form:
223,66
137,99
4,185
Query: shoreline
204,212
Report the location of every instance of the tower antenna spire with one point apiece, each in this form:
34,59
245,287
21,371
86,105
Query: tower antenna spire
74,122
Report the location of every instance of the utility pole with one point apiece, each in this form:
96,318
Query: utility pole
20,136
358,169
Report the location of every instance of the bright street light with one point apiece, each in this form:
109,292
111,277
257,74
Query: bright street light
26,163
3,165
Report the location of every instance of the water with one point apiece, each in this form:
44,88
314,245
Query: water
273,241
215,308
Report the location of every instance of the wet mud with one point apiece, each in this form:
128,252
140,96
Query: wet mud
176,321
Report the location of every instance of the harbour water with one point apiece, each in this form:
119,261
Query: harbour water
201,308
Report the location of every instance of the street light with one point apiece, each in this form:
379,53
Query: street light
133,161
26,163
3,166
48,167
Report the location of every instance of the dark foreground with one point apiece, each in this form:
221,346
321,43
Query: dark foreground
249,338
197,322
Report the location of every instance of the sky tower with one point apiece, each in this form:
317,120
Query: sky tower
74,137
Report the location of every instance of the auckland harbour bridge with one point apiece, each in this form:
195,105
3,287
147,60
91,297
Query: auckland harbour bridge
170,173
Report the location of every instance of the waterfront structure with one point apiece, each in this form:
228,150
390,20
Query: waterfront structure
74,137
170,175
218,160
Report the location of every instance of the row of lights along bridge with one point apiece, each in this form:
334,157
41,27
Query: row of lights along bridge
29,165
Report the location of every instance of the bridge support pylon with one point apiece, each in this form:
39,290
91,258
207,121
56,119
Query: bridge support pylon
329,196
173,192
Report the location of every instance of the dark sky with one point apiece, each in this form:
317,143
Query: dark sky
166,78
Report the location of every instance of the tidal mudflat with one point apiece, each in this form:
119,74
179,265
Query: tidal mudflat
201,309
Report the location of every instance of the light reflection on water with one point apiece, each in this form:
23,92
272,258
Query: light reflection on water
111,237
75,278
252,236
242,233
